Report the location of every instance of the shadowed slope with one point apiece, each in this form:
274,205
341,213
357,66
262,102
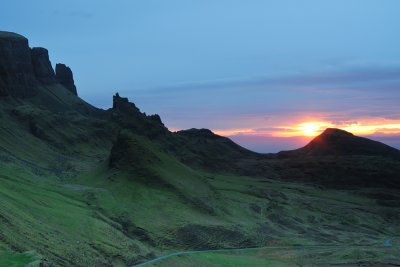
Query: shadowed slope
336,142
201,148
339,159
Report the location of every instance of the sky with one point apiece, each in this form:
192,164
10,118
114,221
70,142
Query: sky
269,74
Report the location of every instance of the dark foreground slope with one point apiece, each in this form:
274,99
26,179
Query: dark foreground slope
82,186
335,159
335,142
339,159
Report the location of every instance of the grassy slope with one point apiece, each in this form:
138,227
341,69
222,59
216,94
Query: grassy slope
70,207
37,212
11,259
57,223
197,210
82,224
289,257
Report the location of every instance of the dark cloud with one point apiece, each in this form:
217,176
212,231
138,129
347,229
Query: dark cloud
361,78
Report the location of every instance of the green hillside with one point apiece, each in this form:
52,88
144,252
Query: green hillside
91,211
288,257
81,186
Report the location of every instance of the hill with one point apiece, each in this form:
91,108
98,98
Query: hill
336,142
82,186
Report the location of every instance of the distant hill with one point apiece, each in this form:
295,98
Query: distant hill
201,148
336,142
338,159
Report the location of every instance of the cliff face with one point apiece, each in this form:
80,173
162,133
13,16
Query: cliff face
65,77
17,76
23,69
41,65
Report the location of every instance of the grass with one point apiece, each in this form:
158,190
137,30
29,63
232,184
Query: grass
9,35
59,224
288,257
110,216
85,223
12,259
59,197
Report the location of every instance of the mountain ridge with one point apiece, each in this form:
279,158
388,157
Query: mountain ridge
23,69
35,66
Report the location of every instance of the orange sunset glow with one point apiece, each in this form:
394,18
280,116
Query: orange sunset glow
368,126
310,128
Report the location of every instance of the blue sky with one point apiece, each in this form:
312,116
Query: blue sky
228,65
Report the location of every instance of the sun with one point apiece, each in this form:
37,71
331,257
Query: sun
310,129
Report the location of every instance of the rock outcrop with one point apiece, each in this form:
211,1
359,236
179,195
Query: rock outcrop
17,76
130,151
41,65
123,104
23,69
127,115
65,77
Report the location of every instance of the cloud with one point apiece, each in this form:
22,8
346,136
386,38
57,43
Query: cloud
259,111
345,95
361,78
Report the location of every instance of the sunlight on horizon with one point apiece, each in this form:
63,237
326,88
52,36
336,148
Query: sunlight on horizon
314,128
310,128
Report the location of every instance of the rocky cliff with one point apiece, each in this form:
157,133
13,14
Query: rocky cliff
23,69
16,69
65,77
42,68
